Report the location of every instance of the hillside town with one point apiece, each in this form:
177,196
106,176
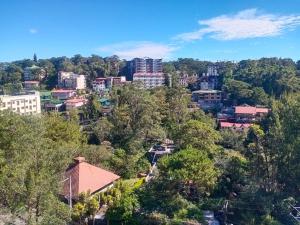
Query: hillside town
149,112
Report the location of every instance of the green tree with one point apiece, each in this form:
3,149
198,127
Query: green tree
189,171
199,135
31,168
34,58
122,211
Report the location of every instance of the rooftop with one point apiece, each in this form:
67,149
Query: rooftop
63,91
86,177
250,110
234,125
31,82
206,92
75,100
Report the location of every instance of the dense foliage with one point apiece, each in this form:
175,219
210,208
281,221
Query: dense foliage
244,177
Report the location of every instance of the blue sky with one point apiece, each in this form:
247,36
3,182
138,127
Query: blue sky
206,30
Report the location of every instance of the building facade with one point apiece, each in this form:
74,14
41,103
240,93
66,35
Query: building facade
62,94
24,103
103,83
71,80
150,80
31,84
146,65
74,103
210,79
207,99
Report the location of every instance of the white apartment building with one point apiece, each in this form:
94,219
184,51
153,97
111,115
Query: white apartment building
24,104
150,80
71,80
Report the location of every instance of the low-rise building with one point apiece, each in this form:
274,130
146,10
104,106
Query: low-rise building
55,105
234,126
246,113
71,80
74,103
105,83
99,84
31,84
27,103
207,99
63,94
115,81
82,177
150,80
184,79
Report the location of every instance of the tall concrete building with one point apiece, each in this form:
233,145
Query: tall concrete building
146,65
27,103
148,71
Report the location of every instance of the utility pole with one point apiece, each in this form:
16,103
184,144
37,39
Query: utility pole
225,207
70,190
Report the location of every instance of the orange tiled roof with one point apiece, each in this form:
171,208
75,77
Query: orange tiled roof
237,125
86,177
250,110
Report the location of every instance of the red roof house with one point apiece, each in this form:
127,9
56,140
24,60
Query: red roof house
250,110
246,113
86,177
239,126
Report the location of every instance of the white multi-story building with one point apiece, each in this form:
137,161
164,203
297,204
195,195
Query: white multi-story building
24,103
150,80
71,80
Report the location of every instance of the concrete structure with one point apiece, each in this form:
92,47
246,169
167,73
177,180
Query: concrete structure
71,80
166,147
150,80
74,103
103,83
210,79
99,84
34,73
207,99
27,103
146,65
55,105
85,177
63,94
114,81
184,79
31,84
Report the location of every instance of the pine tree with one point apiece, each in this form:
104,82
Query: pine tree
34,57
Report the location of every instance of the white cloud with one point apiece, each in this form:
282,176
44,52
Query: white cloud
245,24
33,30
129,50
